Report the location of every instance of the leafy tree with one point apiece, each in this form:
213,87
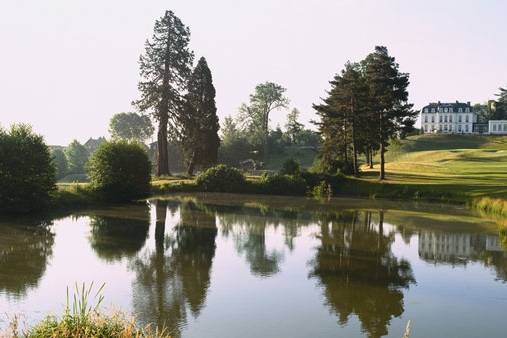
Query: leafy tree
387,88
27,174
131,126
164,69
77,156
200,122
267,97
120,170
293,126
235,146
92,144
60,162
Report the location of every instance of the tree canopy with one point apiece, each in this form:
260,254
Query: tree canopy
131,126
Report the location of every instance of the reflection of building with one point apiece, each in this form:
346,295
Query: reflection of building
455,247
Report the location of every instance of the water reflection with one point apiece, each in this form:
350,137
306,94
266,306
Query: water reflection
114,237
24,253
174,278
359,273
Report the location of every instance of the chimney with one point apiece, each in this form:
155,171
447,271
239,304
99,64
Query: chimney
468,103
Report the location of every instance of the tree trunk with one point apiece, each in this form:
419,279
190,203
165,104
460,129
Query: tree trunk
160,212
371,158
162,158
266,136
382,161
354,146
191,165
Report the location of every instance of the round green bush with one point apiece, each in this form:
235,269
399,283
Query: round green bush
120,171
222,178
290,167
27,174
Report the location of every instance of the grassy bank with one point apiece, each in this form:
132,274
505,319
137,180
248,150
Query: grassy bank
82,318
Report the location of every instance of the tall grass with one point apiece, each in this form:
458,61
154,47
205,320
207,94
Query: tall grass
490,206
82,319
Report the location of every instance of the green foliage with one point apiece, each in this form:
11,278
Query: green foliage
199,125
293,127
290,167
27,174
131,126
279,184
221,178
120,170
322,190
77,157
60,163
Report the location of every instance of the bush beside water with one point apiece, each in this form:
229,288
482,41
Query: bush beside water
27,174
222,178
120,171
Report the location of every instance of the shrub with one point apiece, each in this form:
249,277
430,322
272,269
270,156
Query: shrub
315,179
221,178
27,174
279,184
120,171
322,190
290,167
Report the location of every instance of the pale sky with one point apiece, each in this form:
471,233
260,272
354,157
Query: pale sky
66,66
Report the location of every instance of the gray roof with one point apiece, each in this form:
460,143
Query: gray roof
454,105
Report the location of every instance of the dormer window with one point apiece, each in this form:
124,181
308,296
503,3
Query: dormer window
460,110
445,110
432,110
451,110
425,110
468,110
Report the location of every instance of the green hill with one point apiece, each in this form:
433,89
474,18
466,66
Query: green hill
447,165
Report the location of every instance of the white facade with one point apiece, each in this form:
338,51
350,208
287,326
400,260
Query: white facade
497,127
448,118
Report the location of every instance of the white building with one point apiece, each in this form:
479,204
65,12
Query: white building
450,118
497,127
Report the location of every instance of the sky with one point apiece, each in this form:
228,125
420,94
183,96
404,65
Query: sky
67,66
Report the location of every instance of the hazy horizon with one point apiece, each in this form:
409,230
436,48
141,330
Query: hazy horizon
67,67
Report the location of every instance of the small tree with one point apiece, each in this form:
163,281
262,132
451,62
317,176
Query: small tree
120,171
267,98
293,127
60,162
77,156
27,174
131,126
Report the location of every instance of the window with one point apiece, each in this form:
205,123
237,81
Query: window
459,118
445,127
445,110
466,118
445,118
440,119
425,110
432,110
450,118
426,118
466,128
450,127
459,128
460,110
440,127
432,118
505,127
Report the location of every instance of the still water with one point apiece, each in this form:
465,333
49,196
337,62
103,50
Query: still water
238,266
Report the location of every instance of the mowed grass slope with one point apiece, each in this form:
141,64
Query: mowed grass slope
467,166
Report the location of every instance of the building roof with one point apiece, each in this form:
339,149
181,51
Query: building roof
455,105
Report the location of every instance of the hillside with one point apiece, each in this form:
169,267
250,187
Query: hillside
470,166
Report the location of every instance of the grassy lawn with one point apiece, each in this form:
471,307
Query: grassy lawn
469,166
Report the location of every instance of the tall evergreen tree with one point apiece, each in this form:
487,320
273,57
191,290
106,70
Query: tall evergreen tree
387,88
164,69
199,134
342,115
293,126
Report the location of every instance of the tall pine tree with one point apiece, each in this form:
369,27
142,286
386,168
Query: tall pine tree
387,88
199,134
164,69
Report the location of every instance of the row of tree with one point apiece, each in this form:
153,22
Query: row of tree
366,107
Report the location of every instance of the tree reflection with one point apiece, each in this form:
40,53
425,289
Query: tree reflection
24,254
358,271
175,277
114,237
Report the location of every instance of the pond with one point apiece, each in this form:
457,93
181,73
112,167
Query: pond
220,265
